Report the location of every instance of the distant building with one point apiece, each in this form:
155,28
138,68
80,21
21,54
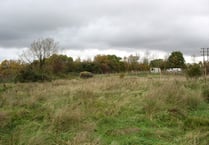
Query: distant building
155,70
174,70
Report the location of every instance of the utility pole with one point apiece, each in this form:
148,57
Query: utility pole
207,55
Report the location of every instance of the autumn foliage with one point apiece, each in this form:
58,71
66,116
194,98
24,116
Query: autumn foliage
43,63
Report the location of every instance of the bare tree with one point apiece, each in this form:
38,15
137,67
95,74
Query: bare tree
40,50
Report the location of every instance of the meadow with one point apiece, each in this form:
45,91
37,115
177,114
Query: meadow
106,110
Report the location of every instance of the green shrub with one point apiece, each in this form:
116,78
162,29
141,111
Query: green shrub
29,75
194,71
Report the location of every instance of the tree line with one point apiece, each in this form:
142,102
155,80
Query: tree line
43,62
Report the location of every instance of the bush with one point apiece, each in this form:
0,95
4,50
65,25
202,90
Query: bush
29,75
86,75
194,71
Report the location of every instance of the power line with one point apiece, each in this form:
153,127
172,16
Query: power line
205,54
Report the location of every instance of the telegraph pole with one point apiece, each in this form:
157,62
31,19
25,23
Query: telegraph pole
207,55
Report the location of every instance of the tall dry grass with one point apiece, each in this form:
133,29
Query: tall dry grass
81,111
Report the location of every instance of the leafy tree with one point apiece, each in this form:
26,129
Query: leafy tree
176,60
114,63
10,68
108,63
90,66
58,64
102,61
158,63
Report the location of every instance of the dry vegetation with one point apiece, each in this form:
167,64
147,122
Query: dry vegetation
103,110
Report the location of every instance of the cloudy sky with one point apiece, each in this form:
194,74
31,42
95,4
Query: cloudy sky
88,27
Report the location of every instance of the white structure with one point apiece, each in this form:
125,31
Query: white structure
174,70
155,70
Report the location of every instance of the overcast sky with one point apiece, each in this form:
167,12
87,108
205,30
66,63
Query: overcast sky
86,27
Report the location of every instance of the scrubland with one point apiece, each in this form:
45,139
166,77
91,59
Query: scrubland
106,110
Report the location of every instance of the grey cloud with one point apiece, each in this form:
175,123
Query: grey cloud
120,24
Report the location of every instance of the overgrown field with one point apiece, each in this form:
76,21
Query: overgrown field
106,110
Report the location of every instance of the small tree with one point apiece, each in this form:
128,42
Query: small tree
40,50
194,71
36,57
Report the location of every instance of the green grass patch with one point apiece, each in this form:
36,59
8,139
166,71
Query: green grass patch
105,110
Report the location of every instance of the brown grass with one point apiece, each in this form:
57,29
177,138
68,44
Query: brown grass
85,111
